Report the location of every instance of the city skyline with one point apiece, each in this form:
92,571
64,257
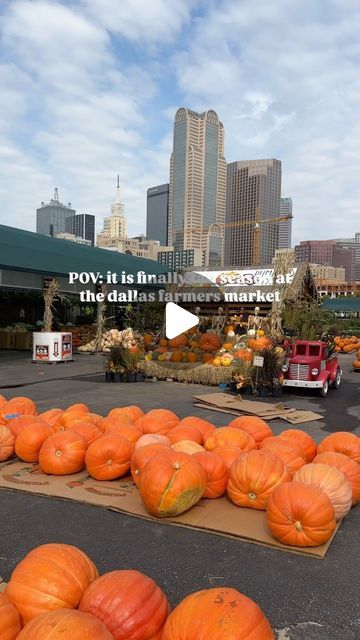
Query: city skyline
76,120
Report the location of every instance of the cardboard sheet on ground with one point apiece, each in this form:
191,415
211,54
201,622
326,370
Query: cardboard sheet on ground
236,405
215,516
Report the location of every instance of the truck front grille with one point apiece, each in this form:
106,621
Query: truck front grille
299,371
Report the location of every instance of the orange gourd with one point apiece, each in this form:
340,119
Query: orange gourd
30,440
225,436
21,422
141,457
129,603
244,354
65,624
79,407
228,454
109,457
187,446
63,453
7,445
253,477
260,344
216,472
18,405
171,483
129,431
342,442
185,432
151,438
292,456
256,427
87,430
51,416
300,439
9,619
177,356
158,421
300,515
192,357
206,428
51,576
179,341
132,411
348,466
217,614
114,419
331,481
209,342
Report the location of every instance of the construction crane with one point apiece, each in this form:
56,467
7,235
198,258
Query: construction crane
256,222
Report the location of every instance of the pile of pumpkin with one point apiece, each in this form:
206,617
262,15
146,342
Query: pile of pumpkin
346,345
356,362
205,348
304,487
56,593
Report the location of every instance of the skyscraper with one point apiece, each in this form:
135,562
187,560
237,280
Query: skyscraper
51,218
328,253
115,226
157,213
82,225
252,195
197,191
285,227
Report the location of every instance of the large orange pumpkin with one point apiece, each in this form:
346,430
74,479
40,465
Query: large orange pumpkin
95,418
216,472
244,354
206,428
18,405
132,411
9,619
331,481
300,439
187,432
129,431
79,407
69,417
141,457
87,430
109,457
348,466
217,613
260,344
225,436
300,514
52,576
258,428
115,419
209,342
171,483
7,445
342,442
129,603
65,624
30,440
51,416
228,454
187,446
158,421
62,453
179,341
253,477
151,438
21,422
177,356
292,456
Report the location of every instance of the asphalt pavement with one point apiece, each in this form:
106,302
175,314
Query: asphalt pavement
304,598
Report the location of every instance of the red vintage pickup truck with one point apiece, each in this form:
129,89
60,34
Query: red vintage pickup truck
310,365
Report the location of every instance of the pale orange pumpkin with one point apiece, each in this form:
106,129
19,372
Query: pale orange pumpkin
187,446
348,466
331,481
152,438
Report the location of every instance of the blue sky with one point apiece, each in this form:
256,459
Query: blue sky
89,89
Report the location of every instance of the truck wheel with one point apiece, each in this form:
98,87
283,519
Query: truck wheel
324,390
337,382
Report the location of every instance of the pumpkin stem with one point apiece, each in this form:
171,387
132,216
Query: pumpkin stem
252,496
109,463
298,526
58,453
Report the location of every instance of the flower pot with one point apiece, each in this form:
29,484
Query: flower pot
277,392
107,376
264,392
247,391
140,376
131,377
117,377
232,387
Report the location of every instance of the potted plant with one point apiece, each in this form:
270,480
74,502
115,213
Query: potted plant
242,378
265,376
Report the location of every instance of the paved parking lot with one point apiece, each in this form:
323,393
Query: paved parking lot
304,598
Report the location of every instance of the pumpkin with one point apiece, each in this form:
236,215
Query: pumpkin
216,472
158,421
207,358
132,411
177,356
151,438
192,357
20,422
171,483
187,446
129,603
62,453
185,432
228,346
356,364
260,344
292,456
302,440
129,431
300,515
9,619
95,418
2,400
206,428
147,339
141,457
7,445
331,481
79,407
209,342
348,466
51,417
67,418
230,436
218,613
253,477
114,419
18,406
228,454
51,576
178,341
342,442
163,342
30,440
65,624
244,354
256,427
87,430
109,457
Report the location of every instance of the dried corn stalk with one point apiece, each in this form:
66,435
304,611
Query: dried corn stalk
283,264
50,292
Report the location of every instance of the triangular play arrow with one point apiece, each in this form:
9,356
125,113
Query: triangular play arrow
178,320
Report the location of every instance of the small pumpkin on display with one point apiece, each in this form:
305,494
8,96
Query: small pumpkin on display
300,439
132,411
65,624
179,341
151,438
209,342
129,431
292,456
228,454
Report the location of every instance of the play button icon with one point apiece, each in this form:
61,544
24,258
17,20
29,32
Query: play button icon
178,320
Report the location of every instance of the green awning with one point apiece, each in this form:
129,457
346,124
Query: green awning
342,304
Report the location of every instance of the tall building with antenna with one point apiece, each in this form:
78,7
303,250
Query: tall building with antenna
115,225
51,217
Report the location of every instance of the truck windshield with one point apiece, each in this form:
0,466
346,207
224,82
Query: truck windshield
301,349
314,350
